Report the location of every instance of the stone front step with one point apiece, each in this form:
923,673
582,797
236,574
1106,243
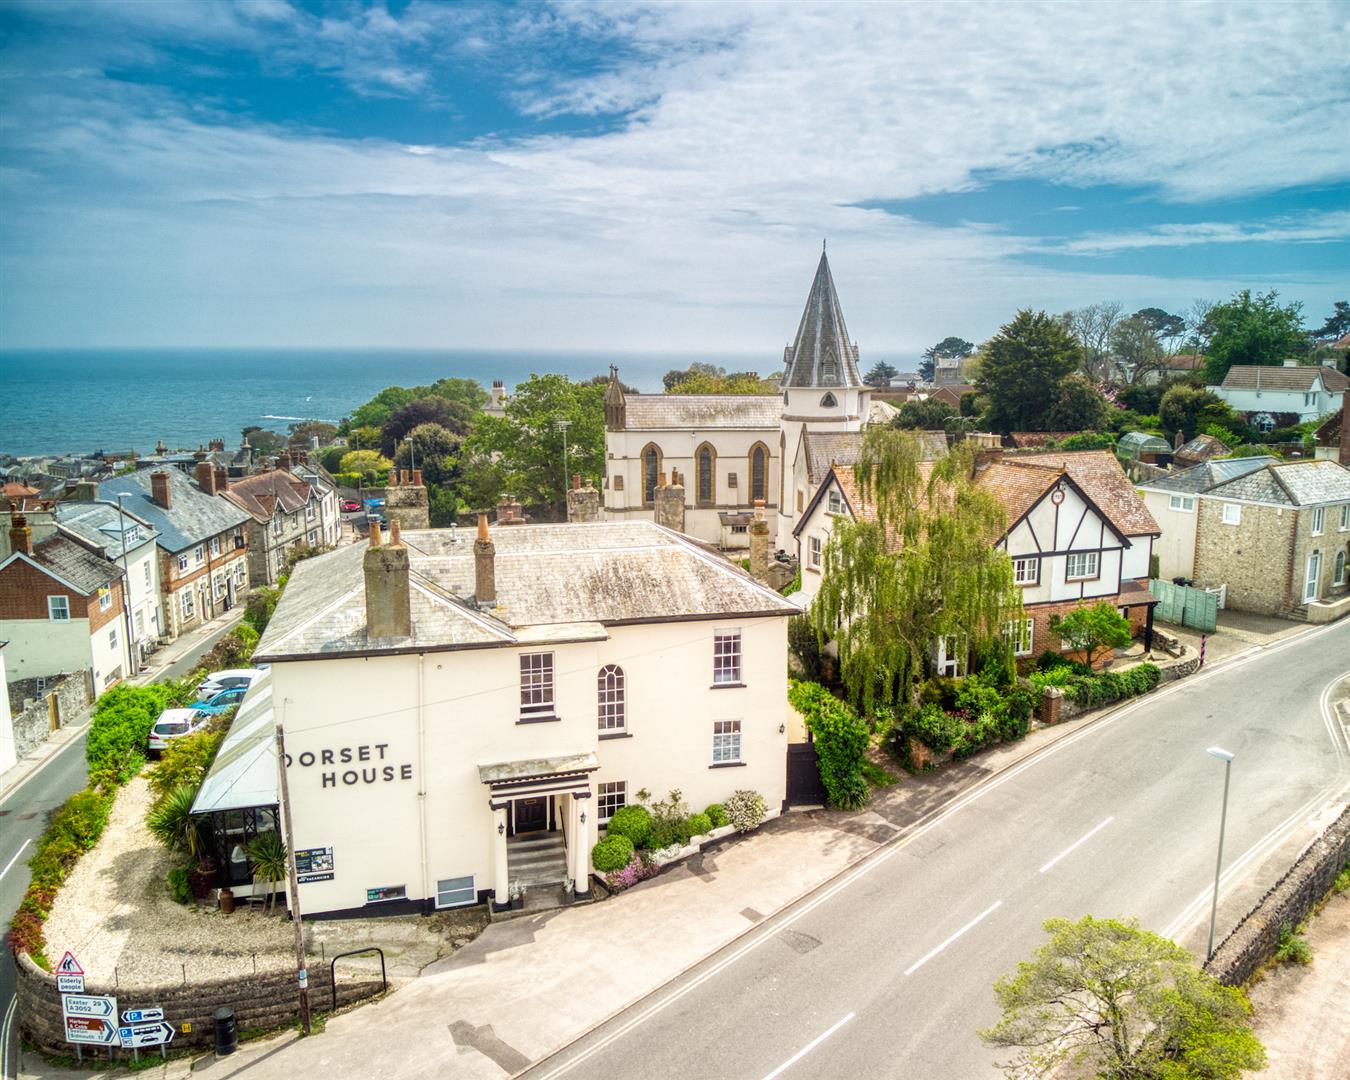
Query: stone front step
537,860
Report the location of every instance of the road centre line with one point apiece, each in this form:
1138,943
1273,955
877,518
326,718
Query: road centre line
15,859
1077,844
978,919
867,863
808,1048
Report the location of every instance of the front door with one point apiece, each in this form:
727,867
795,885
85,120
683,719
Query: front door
531,814
1314,572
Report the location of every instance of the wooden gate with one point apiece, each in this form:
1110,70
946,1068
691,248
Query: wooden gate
804,787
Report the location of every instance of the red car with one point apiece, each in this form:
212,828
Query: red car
350,506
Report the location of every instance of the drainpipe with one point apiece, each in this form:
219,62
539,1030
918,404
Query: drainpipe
422,769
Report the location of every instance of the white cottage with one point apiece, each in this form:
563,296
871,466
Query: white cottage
462,716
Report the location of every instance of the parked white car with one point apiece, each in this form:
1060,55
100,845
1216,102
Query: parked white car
174,724
227,680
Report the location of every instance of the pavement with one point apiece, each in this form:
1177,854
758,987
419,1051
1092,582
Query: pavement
804,926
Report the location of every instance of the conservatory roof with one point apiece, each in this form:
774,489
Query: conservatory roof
244,774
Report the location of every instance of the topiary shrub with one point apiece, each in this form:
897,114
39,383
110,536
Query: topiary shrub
634,822
611,854
716,814
179,888
699,825
746,809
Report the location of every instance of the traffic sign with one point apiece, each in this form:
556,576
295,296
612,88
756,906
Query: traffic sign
90,1029
89,1005
134,1036
140,1016
69,965
70,984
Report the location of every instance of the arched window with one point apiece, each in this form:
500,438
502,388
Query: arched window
1340,569
610,694
759,473
651,471
705,466
828,402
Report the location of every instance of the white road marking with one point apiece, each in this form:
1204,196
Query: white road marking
1077,844
808,1048
978,919
6,1033
15,859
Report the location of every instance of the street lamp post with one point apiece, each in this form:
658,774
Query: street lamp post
1227,759
564,425
133,661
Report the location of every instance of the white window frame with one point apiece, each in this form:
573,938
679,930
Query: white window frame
112,637
951,666
446,886
1020,574
182,564
1319,520
215,545
1339,565
1232,513
834,501
1022,638
814,548
309,511
726,742
1345,517
199,554
58,608
1184,504
1087,562
727,658
537,687
105,596
610,795
611,693
276,525
147,573
186,607
1312,576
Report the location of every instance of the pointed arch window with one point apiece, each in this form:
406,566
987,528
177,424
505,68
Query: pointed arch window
759,473
651,472
705,467
829,401
611,694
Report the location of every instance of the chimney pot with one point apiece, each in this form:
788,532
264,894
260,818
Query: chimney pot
395,533
1178,440
576,481
375,536
20,535
417,477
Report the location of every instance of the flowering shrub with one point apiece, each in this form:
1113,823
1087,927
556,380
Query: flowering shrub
612,853
716,814
746,809
639,868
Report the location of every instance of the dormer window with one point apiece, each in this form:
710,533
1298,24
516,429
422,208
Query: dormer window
829,402
829,369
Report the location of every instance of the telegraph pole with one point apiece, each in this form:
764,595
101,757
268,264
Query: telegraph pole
302,972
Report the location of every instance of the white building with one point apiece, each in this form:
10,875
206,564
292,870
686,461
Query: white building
734,450
1272,397
8,747
462,716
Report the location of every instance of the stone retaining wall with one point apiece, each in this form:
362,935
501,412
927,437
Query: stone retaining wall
32,722
1289,900
259,1001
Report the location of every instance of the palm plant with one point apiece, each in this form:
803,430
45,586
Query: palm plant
267,855
170,821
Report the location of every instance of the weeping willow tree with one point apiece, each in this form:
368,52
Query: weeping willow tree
916,565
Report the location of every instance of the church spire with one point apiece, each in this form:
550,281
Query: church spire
822,354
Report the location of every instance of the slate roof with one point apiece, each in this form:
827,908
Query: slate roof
1201,448
264,493
824,448
665,412
822,354
1268,377
244,774
1102,479
1201,478
99,525
194,517
74,564
573,578
1291,483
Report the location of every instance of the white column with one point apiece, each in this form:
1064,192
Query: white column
580,855
501,887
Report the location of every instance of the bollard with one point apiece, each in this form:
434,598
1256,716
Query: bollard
1202,650
227,1032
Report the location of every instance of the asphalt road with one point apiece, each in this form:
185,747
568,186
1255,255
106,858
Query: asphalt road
888,971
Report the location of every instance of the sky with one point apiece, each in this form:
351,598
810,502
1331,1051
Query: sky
655,177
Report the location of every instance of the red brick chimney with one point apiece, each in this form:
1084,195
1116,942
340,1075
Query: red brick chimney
20,535
417,478
284,460
160,493
503,514
222,478
206,477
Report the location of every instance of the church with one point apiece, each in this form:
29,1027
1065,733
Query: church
732,451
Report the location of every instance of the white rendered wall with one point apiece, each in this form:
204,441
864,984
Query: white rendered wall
45,647
1176,546
1072,526
8,750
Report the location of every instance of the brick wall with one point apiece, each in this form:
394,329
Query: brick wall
259,1001
1289,900
33,723
24,590
1043,637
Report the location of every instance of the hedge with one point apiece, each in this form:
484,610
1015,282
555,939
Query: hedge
841,739
612,853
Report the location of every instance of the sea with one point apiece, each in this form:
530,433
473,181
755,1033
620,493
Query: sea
58,401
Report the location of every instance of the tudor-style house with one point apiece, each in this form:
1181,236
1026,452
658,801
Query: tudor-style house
462,716
203,551
61,607
288,507
1076,533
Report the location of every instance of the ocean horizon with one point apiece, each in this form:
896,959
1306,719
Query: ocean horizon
60,401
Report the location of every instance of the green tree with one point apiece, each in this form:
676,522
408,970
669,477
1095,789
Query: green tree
369,463
881,374
927,415
1161,324
1253,329
949,348
841,739
306,430
454,417
528,440
264,441
1090,629
434,450
921,567
739,382
1079,406
1105,998
1022,369
1337,324
1093,326
1135,344
1185,407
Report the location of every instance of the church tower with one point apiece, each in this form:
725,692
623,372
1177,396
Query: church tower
823,390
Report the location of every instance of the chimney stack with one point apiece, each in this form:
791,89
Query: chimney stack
387,573
759,544
583,503
1345,429
1178,440
284,460
160,492
484,566
206,477
20,535
668,501
503,513
222,478
417,478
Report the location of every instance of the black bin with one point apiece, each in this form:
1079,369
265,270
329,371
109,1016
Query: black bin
227,1031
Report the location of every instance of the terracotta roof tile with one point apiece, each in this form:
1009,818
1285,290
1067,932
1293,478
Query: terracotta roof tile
1099,474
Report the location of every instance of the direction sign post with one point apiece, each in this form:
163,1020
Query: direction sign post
137,1035
89,1019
